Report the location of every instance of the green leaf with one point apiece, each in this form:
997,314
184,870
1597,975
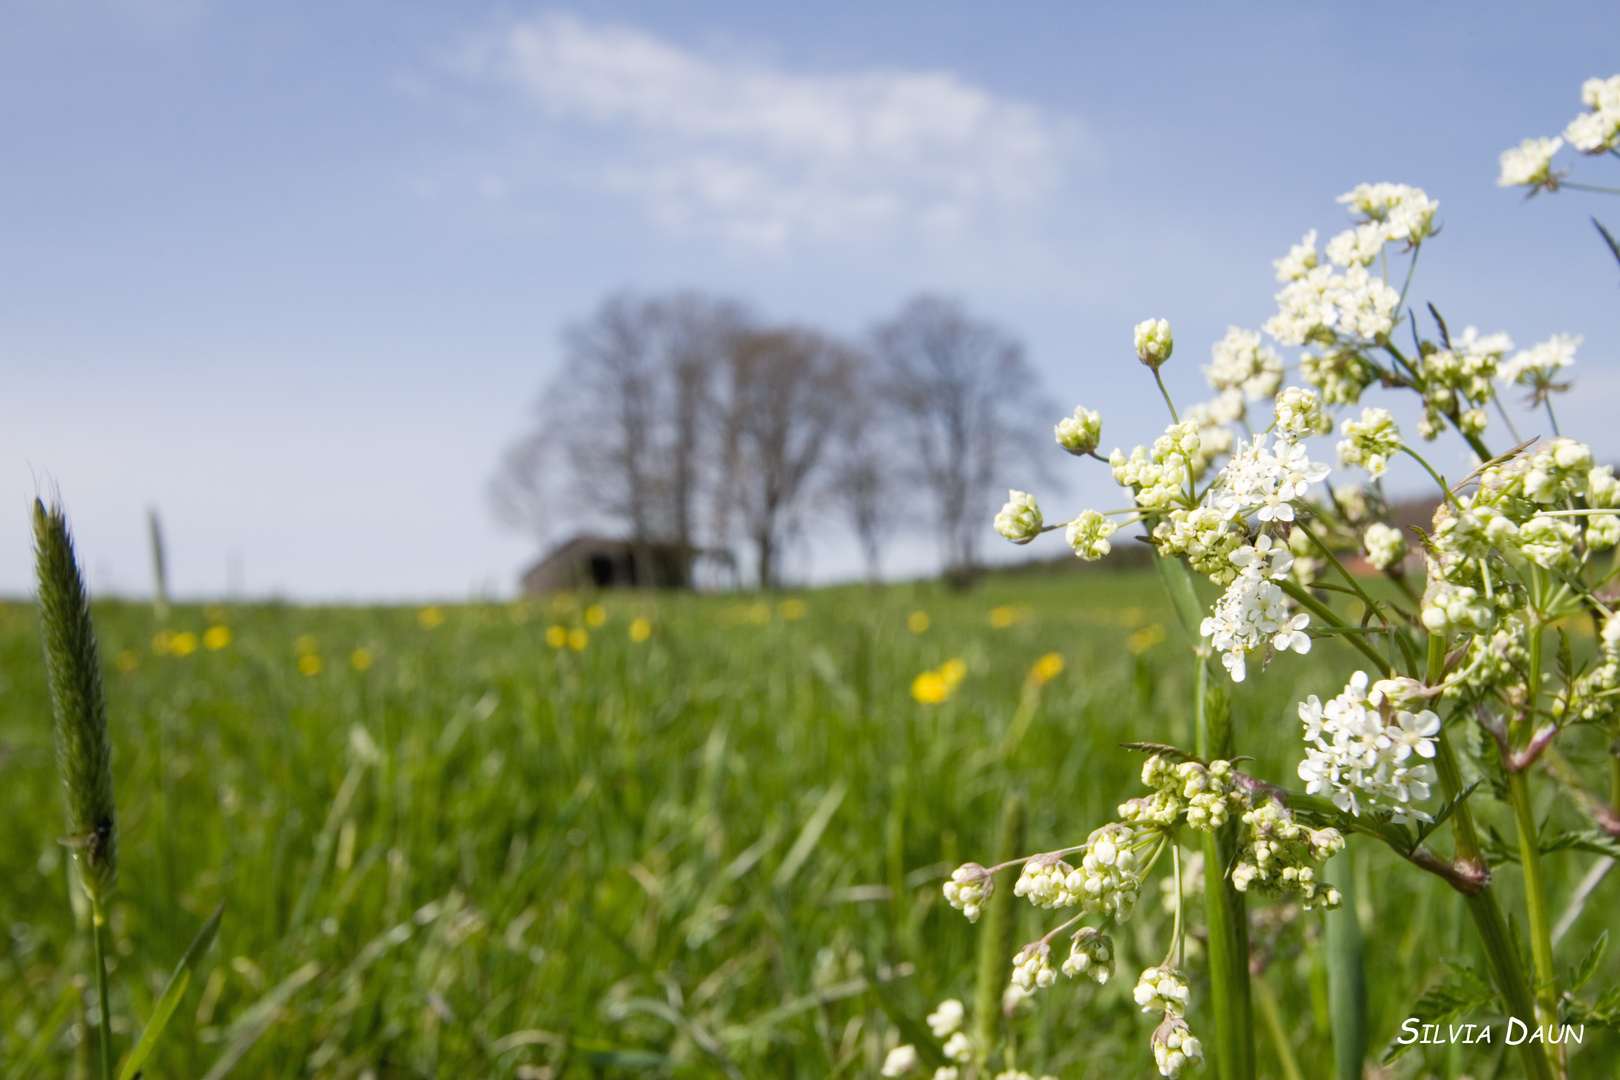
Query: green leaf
1582,972
172,993
1445,812
1462,990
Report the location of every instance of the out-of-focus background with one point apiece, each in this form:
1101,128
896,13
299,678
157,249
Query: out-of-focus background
297,276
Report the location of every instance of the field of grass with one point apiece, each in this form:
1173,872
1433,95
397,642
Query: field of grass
514,840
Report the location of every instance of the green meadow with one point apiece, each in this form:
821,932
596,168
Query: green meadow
516,841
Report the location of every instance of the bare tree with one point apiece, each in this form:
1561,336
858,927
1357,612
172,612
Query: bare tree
864,479
784,391
622,427
964,392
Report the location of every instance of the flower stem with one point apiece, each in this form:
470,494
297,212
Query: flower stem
1227,918
1535,881
1347,977
1500,951
1325,613
1160,380
104,1029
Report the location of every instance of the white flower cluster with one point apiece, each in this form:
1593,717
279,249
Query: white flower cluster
1091,954
1205,795
1322,304
1361,749
1088,535
1215,438
1504,526
1340,373
1406,213
1253,612
1019,520
1386,547
1159,477
1154,342
1242,363
1536,365
1300,415
1205,535
1281,856
946,1022
1162,989
1457,382
1599,130
1266,480
1032,967
969,890
1175,1047
1372,441
1530,164
1107,881
1594,696
1045,882
1080,433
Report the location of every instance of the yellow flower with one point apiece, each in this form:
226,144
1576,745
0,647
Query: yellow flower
793,609
556,636
360,659
578,639
1046,669
1133,616
1144,639
430,616
128,661
930,688
640,629
595,615
917,622
183,644
305,644
217,637
1004,616
759,613
933,687
309,664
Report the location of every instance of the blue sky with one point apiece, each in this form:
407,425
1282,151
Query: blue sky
294,273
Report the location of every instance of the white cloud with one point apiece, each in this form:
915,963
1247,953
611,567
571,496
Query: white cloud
767,157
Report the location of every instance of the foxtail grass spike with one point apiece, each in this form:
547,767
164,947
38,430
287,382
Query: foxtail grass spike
1000,930
73,669
160,575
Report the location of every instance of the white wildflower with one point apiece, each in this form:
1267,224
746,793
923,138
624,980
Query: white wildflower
1091,955
969,890
1107,881
1253,612
1536,365
1372,441
1032,967
1301,258
1154,342
1599,130
1406,212
946,1019
1386,546
947,1072
1359,246
1365,304
1530,164
1079,434
1019,520
901,1060
1044,882
1162,989
1299,414
1360,751
1241,362
1088,535
1175,1047
959,1048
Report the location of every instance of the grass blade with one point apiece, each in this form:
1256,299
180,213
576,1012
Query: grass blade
172,993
